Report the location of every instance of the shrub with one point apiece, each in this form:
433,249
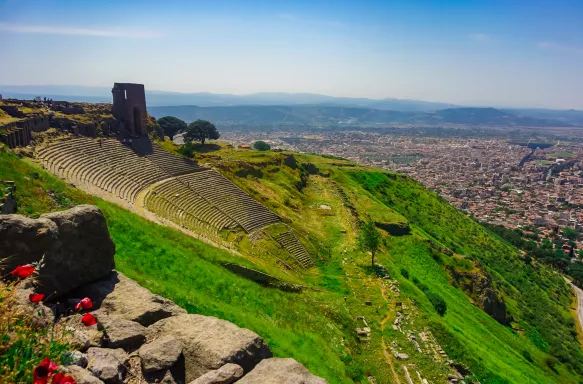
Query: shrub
437,302
550,362
261,146
405,273
527,356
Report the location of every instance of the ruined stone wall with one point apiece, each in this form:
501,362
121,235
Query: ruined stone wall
19,133
129,106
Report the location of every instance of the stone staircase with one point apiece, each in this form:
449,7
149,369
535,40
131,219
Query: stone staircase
290,243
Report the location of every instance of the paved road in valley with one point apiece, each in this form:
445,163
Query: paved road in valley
579,293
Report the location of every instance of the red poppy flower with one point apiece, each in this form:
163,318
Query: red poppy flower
36,297
60,378
85,303
43,370
23,271
88,319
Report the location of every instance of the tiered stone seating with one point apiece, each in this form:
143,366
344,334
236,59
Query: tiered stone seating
193,197
111,165
230,199
291,243
190,205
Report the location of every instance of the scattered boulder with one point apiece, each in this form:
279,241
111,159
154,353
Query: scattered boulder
119,296
121,333
81,376
75,358
107,364
75,247
280,371
209,343
160,354
227,374
77,335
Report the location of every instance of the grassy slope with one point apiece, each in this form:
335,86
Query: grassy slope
310,326
536,297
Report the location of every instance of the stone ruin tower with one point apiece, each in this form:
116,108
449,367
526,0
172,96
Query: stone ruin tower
129,106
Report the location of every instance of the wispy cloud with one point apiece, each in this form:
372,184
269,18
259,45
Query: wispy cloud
562,48
74,31
480,37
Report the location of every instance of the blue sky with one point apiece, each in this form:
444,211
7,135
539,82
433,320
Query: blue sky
502,53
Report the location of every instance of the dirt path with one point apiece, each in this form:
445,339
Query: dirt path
388,356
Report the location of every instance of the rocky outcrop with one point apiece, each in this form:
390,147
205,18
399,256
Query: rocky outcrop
8,198
138,336
227,374
494,305
74,246
395,229
121,333
280,371
119,296
107,365
209,343
477,284
160,354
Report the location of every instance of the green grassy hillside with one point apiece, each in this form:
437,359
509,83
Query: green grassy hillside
323,199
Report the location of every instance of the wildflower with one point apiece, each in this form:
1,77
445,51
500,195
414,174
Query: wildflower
23,271
85,303
60,378
42,371
36,297
88,320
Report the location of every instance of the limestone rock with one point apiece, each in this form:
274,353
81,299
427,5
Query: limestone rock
75,358
40,314
280,371
119,296
81,376
209,343
78,335
160,354
227,374
107,364
121,333
75,244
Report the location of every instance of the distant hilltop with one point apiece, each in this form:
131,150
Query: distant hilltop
189,106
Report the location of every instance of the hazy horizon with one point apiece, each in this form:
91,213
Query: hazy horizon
487,53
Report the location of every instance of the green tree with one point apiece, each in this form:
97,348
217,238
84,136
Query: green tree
437,302
570,233
261,146
369,239
171,125
201,130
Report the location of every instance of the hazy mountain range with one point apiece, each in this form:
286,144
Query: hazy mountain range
349,116
306,107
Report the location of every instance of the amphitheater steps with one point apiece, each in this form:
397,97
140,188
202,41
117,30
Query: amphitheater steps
290,243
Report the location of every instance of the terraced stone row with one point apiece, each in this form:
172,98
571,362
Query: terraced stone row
291,243
230,199
191,203
163,207
110,165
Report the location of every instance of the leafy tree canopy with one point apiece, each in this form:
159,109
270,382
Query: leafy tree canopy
369,239
201,130
171,125
261,146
